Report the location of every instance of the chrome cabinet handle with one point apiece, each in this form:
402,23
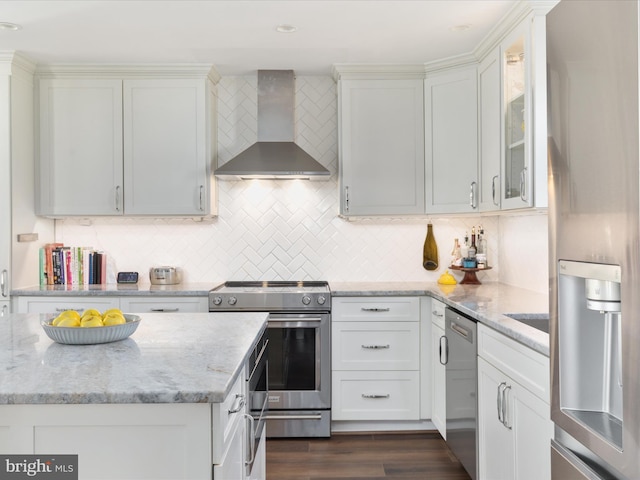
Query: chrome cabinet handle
502,404
374,309
523,183
165,309
238,404
445,349
437,314
493,190
117,198
376,347
375,396
505,408
472,196
4,281
201,198
499,401
346,199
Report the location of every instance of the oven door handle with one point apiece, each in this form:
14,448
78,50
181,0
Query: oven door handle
294,417
252,440
298,323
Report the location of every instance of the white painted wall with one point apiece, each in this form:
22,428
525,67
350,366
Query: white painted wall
290,230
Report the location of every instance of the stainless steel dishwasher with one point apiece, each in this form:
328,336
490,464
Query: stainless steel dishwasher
460,358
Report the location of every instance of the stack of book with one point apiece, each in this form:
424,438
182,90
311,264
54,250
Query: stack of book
61,265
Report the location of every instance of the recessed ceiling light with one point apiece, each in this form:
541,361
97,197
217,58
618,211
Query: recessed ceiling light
284,28
460,28
9,26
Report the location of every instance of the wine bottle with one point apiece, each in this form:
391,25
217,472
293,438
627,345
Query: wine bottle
430,250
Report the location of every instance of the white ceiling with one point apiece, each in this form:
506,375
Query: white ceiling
239,36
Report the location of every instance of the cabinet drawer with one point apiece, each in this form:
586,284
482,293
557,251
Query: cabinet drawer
524,365
367,309
225,417
164,304
59,304
437,312
375,396
376,346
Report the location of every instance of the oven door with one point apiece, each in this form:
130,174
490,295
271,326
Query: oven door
299,361
257,383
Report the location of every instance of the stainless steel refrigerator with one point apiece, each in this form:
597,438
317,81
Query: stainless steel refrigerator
592,55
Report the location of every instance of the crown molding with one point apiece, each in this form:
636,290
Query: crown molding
511,19
464,60
12,62
129,70
379,71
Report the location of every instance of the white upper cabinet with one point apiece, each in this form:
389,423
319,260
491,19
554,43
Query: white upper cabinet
120,146
80,147
165,154
524,131
489,131
381,129
451,152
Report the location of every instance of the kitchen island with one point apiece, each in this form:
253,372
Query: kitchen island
152,406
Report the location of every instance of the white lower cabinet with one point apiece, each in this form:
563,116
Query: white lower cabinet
51,304
375,358
115,441
128,304
439,370
176,441
229,441
164,304
514,425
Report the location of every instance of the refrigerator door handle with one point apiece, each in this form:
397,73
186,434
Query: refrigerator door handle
4,281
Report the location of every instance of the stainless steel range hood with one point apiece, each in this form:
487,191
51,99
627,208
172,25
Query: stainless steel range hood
275,155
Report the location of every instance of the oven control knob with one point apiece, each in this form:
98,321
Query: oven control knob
217,300
321,300
306,299
232,300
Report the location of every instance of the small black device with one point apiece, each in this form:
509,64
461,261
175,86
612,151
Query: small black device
127,277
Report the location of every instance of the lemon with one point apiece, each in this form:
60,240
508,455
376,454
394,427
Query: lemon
91,312
112,310
91,321
68,322
113,318
65,314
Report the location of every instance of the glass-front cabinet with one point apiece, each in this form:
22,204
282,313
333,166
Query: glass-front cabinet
524,115
516,177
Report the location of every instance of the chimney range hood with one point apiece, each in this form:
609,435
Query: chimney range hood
274,155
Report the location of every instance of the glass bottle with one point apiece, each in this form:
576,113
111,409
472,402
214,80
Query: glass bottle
456,255
464,248
473,249
430,250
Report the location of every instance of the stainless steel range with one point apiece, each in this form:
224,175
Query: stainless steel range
299,371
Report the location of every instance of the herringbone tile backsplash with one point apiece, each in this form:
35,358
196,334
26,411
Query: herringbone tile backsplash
283,230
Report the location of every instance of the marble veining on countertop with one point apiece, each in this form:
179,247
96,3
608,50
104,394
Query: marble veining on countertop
487,303
118,289
170,358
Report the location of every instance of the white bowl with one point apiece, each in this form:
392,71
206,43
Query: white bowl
91,335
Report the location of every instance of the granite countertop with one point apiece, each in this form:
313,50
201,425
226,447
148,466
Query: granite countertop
118,289
170,358
486,303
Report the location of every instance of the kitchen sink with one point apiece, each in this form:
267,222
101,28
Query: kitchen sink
539,321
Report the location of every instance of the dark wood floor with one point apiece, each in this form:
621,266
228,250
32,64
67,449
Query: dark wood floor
417,456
